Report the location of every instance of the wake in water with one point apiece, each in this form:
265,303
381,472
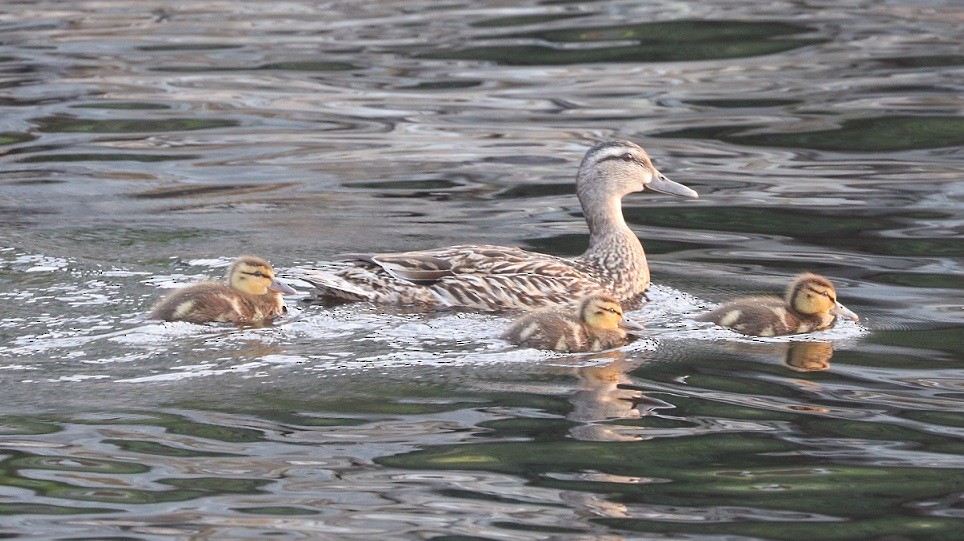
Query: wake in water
73,329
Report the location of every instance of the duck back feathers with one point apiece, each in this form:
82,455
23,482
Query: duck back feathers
546,328
765,316
249,294
571,328
810,305
218,302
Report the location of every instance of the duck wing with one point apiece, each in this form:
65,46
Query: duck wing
481,277
498,292
416,267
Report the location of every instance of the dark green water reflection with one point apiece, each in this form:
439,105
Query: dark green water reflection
72,124
142,149
877,134
666,41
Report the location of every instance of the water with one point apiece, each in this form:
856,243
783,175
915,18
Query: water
144,145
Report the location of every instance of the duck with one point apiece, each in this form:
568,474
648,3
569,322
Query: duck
810,304
502,278
594,323
250,294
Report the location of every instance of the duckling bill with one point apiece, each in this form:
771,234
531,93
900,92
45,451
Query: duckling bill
810,304
594,324
249,294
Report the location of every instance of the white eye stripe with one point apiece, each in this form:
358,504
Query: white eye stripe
616,153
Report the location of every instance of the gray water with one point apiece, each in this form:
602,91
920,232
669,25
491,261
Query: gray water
145,144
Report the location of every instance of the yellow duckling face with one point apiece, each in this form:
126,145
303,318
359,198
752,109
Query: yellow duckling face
254,276
811,294
601,312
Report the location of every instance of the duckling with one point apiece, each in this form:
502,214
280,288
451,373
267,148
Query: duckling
593,324
497,278
251,294
810,305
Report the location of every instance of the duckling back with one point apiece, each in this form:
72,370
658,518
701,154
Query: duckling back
216,301
556,329
764,316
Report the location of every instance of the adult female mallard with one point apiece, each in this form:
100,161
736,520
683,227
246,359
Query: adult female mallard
594,324
810,305
486,277
250,294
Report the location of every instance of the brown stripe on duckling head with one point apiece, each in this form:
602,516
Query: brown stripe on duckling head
600,310
587,303
251,260
807,280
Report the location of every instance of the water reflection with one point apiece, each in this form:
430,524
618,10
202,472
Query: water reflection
603,394
808,356
649,42
143,146
877,134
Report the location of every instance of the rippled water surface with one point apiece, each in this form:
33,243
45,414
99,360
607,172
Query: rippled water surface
145,144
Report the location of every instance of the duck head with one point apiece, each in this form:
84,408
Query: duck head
618,168
812,294
254,276
603,311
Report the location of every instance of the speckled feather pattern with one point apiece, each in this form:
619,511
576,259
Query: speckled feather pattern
493,278
559,328
766,316
217,301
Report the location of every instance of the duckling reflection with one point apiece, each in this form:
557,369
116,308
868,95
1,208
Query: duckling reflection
810,305
808,356
249,294
605,393
594,324
797,355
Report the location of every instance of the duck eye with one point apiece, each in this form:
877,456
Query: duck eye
628,157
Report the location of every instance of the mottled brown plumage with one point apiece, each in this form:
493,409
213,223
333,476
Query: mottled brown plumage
594,324
810,305
250,294
486,277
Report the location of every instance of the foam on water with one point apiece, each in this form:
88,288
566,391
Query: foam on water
309,338
671,316
143,149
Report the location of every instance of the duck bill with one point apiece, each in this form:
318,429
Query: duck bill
281,287
662,184
629,325
842,311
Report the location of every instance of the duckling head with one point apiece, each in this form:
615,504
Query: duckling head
254,276
601,311
618,168
812,294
